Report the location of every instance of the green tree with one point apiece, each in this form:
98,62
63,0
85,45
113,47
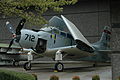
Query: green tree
32,10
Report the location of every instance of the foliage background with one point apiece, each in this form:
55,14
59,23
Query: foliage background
32,10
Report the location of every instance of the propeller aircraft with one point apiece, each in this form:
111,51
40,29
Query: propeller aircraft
52,41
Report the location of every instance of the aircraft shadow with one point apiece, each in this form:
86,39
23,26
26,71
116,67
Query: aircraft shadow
70,70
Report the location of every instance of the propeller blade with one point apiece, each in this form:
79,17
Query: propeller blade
11,42
10,27
20,26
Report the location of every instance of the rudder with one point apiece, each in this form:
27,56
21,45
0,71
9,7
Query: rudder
106,36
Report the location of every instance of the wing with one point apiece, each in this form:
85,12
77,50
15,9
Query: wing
6,45
78,37
69,51
13,49
15,53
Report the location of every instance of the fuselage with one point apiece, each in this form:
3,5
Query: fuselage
51,38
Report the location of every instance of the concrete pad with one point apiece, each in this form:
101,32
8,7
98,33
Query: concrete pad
44,72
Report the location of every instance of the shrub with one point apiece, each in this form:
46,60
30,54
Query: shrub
12,75
118,78
54,77
35,76
76,78
96,77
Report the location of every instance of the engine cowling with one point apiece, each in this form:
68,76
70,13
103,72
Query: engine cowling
30,39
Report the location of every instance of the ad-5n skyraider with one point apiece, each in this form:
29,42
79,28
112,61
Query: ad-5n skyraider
54,42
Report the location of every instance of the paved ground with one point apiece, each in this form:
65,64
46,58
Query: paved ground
44,71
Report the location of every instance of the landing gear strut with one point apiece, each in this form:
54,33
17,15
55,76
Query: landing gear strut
59,67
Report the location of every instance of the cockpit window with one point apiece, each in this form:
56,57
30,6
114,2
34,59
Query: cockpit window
50,31
55,31
35,30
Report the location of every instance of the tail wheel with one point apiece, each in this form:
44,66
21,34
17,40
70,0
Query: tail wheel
27,66
15,63
94,65
59,67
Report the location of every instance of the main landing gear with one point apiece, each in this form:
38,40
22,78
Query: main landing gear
58,66
58,57
27,66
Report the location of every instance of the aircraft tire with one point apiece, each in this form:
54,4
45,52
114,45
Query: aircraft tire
27,66
15,63
94,65
59,67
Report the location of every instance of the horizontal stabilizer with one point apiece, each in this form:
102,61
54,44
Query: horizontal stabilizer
77,35
108,51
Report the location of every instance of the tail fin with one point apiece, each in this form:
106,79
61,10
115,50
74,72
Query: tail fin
105,38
